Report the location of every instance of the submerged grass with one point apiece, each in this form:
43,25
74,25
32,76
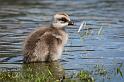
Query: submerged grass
28,77
85,76
54,73
10,76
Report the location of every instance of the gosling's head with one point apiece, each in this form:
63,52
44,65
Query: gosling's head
61,20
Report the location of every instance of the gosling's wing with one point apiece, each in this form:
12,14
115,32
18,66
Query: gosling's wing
32,39
47,46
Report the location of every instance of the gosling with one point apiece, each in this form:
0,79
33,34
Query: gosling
46,43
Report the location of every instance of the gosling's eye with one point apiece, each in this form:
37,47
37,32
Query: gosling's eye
63,19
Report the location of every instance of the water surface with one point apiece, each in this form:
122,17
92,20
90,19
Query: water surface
101,55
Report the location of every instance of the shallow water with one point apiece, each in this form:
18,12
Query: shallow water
101,55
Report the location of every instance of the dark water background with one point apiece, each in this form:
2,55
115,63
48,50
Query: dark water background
100,54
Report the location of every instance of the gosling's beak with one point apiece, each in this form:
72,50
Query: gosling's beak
70,23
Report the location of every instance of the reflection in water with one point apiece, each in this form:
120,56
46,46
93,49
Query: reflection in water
36,72
47,71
